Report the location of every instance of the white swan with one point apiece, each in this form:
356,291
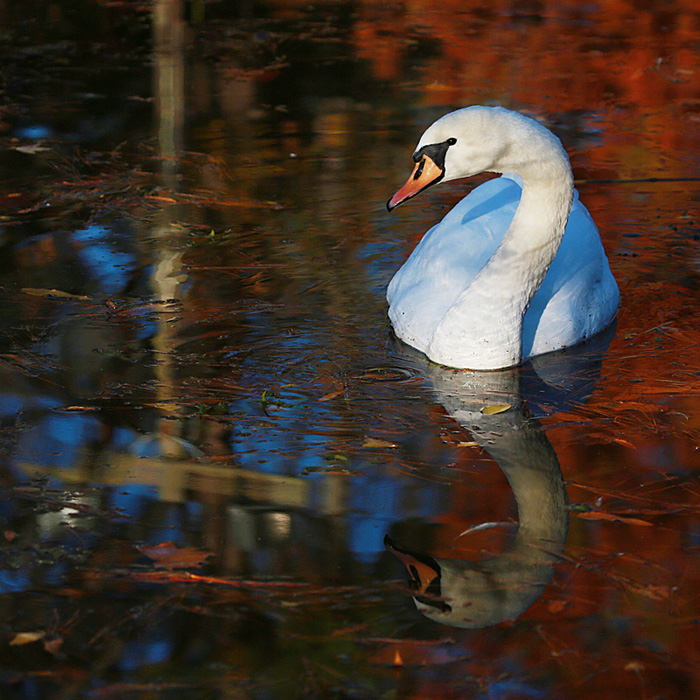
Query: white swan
514,270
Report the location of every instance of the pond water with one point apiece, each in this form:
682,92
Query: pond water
208,429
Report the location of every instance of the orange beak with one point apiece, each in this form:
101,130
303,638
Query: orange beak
425,173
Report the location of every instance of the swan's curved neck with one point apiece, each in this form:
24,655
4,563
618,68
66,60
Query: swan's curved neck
530,464
502,587
519,445
483,329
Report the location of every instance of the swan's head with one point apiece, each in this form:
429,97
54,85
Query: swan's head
476,140
474,595
425,579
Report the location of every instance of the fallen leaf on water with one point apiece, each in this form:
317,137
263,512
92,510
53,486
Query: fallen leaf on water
26,638
54,645
332,395
556,606
52,293
69,409
167,555
495,408
653,592
412,653
31,149
599,515
377,442
160,198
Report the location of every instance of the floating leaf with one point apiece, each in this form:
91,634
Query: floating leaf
556,606
332,395
376,442
161,198
53,293
653,592
623,442
167,555
69,409
412,653
495,408
54,645
600,515
26,638
31,149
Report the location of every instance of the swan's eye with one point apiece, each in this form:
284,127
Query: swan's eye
419,170
435,151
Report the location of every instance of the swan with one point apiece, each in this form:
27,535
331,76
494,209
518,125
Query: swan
517,268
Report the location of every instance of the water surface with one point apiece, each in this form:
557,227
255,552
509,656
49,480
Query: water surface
207,427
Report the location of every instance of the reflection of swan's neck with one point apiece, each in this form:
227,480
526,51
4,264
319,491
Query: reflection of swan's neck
502,587
494,304
480,594
530,464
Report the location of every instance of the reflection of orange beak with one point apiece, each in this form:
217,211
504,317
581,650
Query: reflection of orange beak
422,574
425,173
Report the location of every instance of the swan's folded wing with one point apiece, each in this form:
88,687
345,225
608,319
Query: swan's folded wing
578,296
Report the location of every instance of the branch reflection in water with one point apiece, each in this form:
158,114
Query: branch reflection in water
470,594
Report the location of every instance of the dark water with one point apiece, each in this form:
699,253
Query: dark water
194,353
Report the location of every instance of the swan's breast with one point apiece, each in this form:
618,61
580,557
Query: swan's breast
448,258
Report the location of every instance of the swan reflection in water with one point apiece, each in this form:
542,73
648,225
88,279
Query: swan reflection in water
479,594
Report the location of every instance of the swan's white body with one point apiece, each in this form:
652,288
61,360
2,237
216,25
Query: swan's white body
514,270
